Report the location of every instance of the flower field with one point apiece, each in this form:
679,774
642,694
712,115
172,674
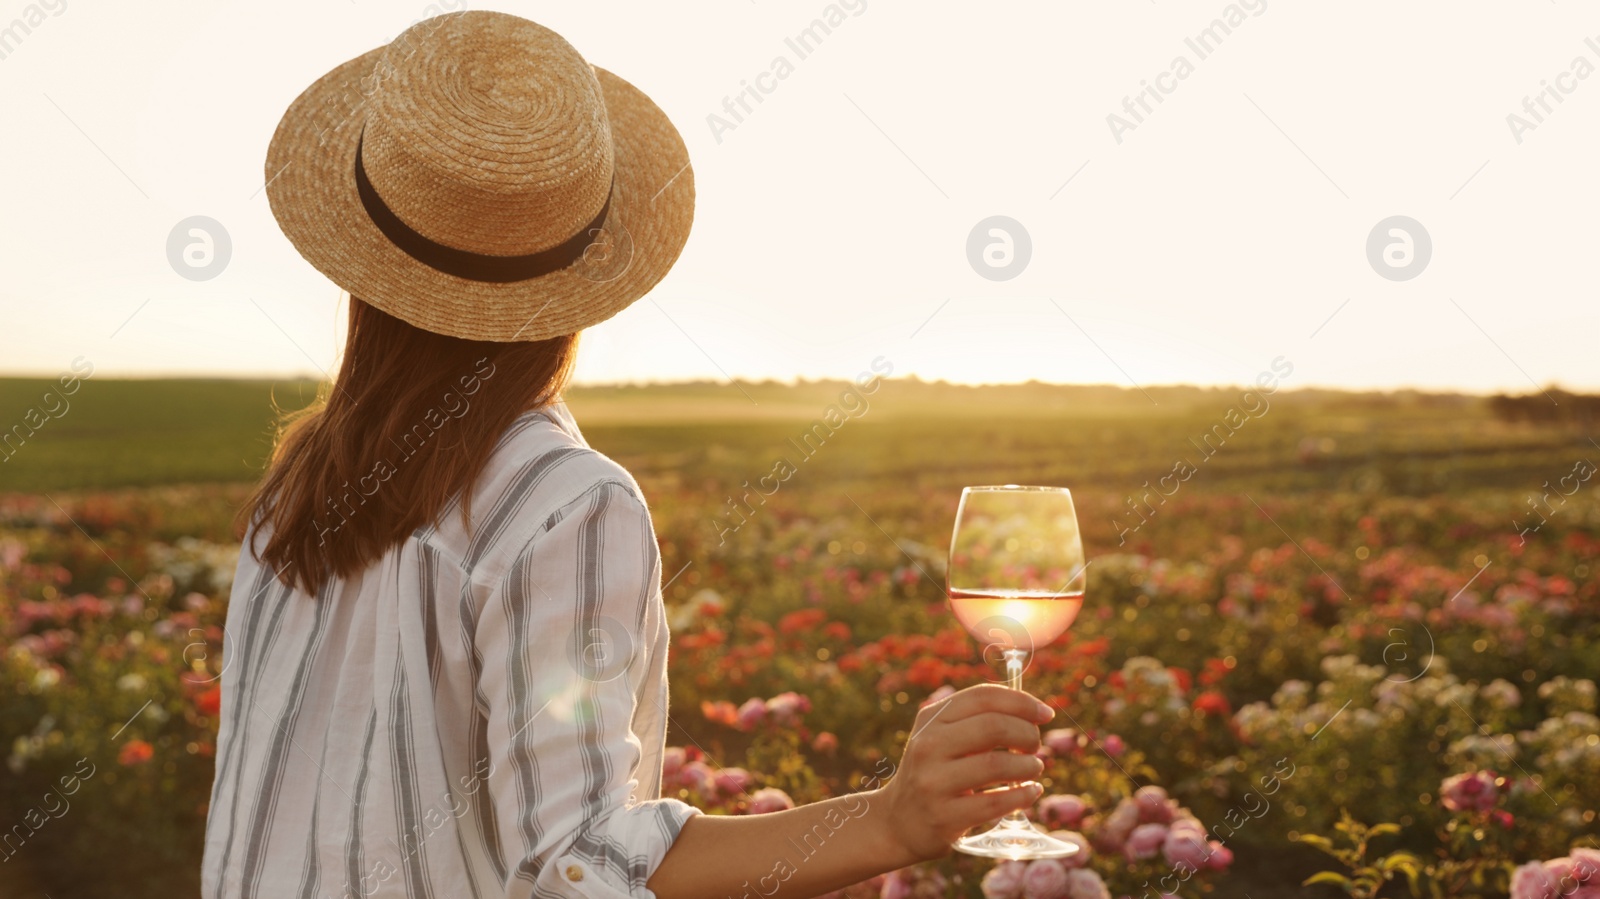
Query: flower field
1358,648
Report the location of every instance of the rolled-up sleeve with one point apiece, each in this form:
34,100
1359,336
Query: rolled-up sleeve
573,648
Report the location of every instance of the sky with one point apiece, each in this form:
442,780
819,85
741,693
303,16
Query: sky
1383,195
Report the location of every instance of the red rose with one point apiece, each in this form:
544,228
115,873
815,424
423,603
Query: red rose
209,703
1212,703
135,752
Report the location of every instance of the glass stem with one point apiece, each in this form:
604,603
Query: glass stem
1016,659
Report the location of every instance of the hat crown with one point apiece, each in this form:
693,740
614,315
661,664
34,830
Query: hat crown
488,133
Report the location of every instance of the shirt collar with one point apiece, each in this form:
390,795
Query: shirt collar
563,419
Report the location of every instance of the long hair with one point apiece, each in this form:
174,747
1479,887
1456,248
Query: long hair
407,424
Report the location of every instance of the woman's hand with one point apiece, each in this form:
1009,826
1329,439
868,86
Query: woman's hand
931,799
936,795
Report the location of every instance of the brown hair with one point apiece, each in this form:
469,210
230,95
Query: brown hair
407,424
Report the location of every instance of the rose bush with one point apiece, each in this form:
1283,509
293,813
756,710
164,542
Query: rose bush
1217,695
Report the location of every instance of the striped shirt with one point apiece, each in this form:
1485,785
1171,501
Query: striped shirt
476,714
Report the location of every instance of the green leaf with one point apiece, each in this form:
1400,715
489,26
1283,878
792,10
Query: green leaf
1378,830
1399,861
1327,877
1311,839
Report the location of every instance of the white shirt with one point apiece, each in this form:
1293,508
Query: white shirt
475,715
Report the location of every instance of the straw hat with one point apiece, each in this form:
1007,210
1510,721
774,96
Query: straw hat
477,178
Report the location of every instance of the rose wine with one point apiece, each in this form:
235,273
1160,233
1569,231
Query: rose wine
1005,536
1042,616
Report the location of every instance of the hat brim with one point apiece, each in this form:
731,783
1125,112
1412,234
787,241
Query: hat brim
311,187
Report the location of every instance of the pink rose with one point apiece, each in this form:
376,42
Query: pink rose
1533,881
1062,741
769,799
1575,875
1586,864
1221,857
1165,813
1083,883
1004,881
930,883
752,713
1145,841
1044,879
1152,803
896,886
732,781
1183,846
671,761
1564,872
698,776
1473,792
825,743
1113,746
1077,859
1062,810
1187,823
1115,828
786,708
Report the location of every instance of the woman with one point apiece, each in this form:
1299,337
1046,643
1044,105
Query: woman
446,644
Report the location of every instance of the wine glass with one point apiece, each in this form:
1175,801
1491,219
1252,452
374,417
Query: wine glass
1015,581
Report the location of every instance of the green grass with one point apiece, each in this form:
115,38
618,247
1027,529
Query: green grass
137,433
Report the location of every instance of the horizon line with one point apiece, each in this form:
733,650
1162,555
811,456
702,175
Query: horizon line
799,381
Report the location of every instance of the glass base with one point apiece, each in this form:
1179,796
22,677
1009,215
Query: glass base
1015,839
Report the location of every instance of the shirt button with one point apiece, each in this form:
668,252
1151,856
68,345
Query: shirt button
574,873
